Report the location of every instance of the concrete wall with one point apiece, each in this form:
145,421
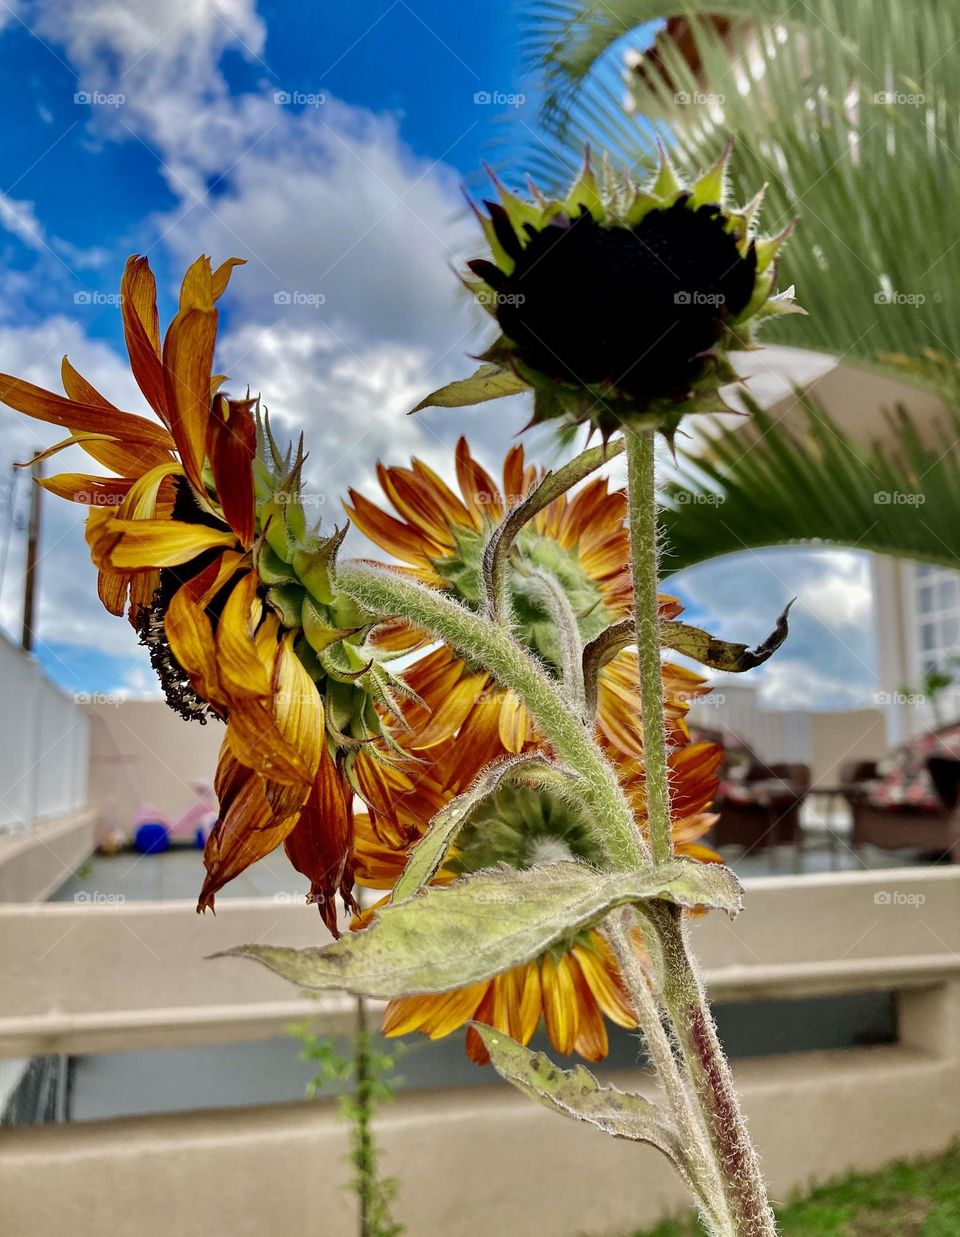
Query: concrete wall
143,754
469,1160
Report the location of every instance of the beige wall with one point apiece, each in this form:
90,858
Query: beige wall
142,753
469,1160
33,864
839,737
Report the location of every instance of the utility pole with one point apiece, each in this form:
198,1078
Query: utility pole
28,630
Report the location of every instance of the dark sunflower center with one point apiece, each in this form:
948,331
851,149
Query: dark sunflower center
625,308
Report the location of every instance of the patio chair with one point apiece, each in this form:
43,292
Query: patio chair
762,809
930,825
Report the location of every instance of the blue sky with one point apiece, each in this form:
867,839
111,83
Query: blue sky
326,144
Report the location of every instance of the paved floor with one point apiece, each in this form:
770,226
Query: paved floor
179,873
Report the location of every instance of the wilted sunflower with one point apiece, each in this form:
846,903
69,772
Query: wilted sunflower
202,538
569,988
619,303
580,539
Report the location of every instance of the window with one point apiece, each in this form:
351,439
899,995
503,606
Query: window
937,597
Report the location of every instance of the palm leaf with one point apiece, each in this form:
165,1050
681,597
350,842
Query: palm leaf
763,485
849,108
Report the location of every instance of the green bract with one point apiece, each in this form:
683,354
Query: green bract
297,565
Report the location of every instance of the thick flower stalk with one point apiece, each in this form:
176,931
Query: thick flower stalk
201,538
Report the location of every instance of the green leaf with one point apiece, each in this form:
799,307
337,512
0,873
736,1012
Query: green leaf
485,924
488,382
722,654
576,1093
429,853
764,485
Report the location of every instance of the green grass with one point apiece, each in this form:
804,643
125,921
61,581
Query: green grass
919,1199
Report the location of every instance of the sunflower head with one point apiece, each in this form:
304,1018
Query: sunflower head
619,303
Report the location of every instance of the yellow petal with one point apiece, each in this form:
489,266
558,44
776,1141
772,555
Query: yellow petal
141,545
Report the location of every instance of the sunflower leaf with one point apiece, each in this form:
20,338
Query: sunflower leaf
429,853
485,924
722,654
488,382
577,1093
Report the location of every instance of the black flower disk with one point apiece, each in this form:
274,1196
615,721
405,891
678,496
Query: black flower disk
620,304
631,309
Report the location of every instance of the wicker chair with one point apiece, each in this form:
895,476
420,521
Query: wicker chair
759,824
904,827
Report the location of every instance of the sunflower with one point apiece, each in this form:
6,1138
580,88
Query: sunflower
570,988
580,540
619,303
201,537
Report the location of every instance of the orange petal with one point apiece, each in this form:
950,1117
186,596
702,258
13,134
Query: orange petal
221,276
56,410
600,971
406,543
478,487
514,723
321,845
591,1042
141,332
140,545
231,446
81,487
474,1044
247,829
559,1003
281,737
452,1009
188,366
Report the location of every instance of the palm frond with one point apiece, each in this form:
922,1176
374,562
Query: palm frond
764,485
849,108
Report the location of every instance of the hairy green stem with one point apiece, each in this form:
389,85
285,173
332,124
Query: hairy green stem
744,1196
554,484
387,592
704,1172
365,1153
644,561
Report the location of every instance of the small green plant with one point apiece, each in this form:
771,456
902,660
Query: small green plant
368,1068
